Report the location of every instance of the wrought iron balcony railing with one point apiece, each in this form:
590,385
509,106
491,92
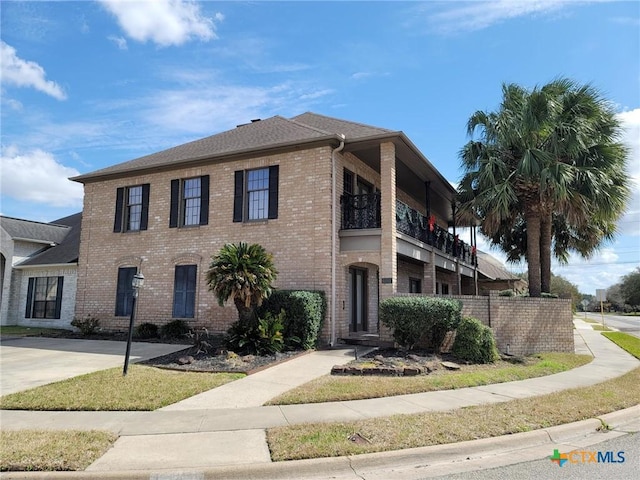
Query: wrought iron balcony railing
360,211
363,211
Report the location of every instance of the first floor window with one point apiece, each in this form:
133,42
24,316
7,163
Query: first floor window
415,285
44,297
184,291
124,291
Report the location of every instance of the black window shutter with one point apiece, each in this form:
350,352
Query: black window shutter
238,191
117,221
204,200
144,216
273,191
29,308
175,203
59,297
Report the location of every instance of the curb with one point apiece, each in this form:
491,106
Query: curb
409,463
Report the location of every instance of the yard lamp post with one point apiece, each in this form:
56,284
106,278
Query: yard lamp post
137,283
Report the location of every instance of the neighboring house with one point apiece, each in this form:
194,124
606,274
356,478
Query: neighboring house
353,210
39,265
494,276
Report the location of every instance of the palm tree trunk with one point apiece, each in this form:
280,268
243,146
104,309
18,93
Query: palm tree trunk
532,217
545,252
246,315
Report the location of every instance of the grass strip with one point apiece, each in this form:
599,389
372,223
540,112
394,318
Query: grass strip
625,341
20,331
471,423
144,388
600,328
332,388
29,450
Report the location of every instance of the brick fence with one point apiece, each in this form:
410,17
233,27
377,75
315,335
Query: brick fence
523,325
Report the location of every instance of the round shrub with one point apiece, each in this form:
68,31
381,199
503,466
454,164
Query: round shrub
174,329
475,342
147,330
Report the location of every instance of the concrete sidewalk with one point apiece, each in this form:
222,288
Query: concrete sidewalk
195,434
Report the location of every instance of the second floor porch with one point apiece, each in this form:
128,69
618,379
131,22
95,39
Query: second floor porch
361,217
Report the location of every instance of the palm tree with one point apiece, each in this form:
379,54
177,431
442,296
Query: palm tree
245,274
553,150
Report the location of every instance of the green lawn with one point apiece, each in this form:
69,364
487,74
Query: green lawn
625,341
144,388
39,450
471,423
331,388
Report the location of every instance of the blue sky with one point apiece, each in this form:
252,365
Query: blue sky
93,83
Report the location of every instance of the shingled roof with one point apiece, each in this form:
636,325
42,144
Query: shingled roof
492,268
259,135
63,234
29,230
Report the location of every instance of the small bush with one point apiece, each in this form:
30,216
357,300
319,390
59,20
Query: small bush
174,329
264,339
305,311
548,295
506,293
416,320
87,326
146,330
201,340
475,342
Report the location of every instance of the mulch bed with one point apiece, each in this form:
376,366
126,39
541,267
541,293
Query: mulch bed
221,362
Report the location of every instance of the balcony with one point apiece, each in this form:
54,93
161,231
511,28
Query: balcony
363,212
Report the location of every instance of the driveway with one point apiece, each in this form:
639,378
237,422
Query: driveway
27,362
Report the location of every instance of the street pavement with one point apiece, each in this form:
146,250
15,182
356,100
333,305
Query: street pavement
209,438
622,323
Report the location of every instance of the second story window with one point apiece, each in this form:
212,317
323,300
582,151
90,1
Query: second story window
189,202
256,194
132,208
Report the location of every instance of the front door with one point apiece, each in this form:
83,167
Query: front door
358,296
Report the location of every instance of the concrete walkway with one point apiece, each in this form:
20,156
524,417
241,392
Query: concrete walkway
227,429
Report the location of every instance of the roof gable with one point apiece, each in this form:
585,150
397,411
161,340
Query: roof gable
68,247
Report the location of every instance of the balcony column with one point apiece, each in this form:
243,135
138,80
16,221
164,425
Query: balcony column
388,252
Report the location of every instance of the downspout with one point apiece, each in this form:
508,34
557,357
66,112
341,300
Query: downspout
334,239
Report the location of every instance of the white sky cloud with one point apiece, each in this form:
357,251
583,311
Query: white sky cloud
36,176
470,16
25,73
630,222
164,22
121,42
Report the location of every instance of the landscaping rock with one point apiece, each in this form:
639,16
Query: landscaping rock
186,360
379,358
414,358
451,366
337,370
411,371
248,358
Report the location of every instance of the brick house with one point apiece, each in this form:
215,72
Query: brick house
354,210
38,271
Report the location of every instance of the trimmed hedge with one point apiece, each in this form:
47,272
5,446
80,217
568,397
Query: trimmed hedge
415,320
305,312
174,329
475,342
